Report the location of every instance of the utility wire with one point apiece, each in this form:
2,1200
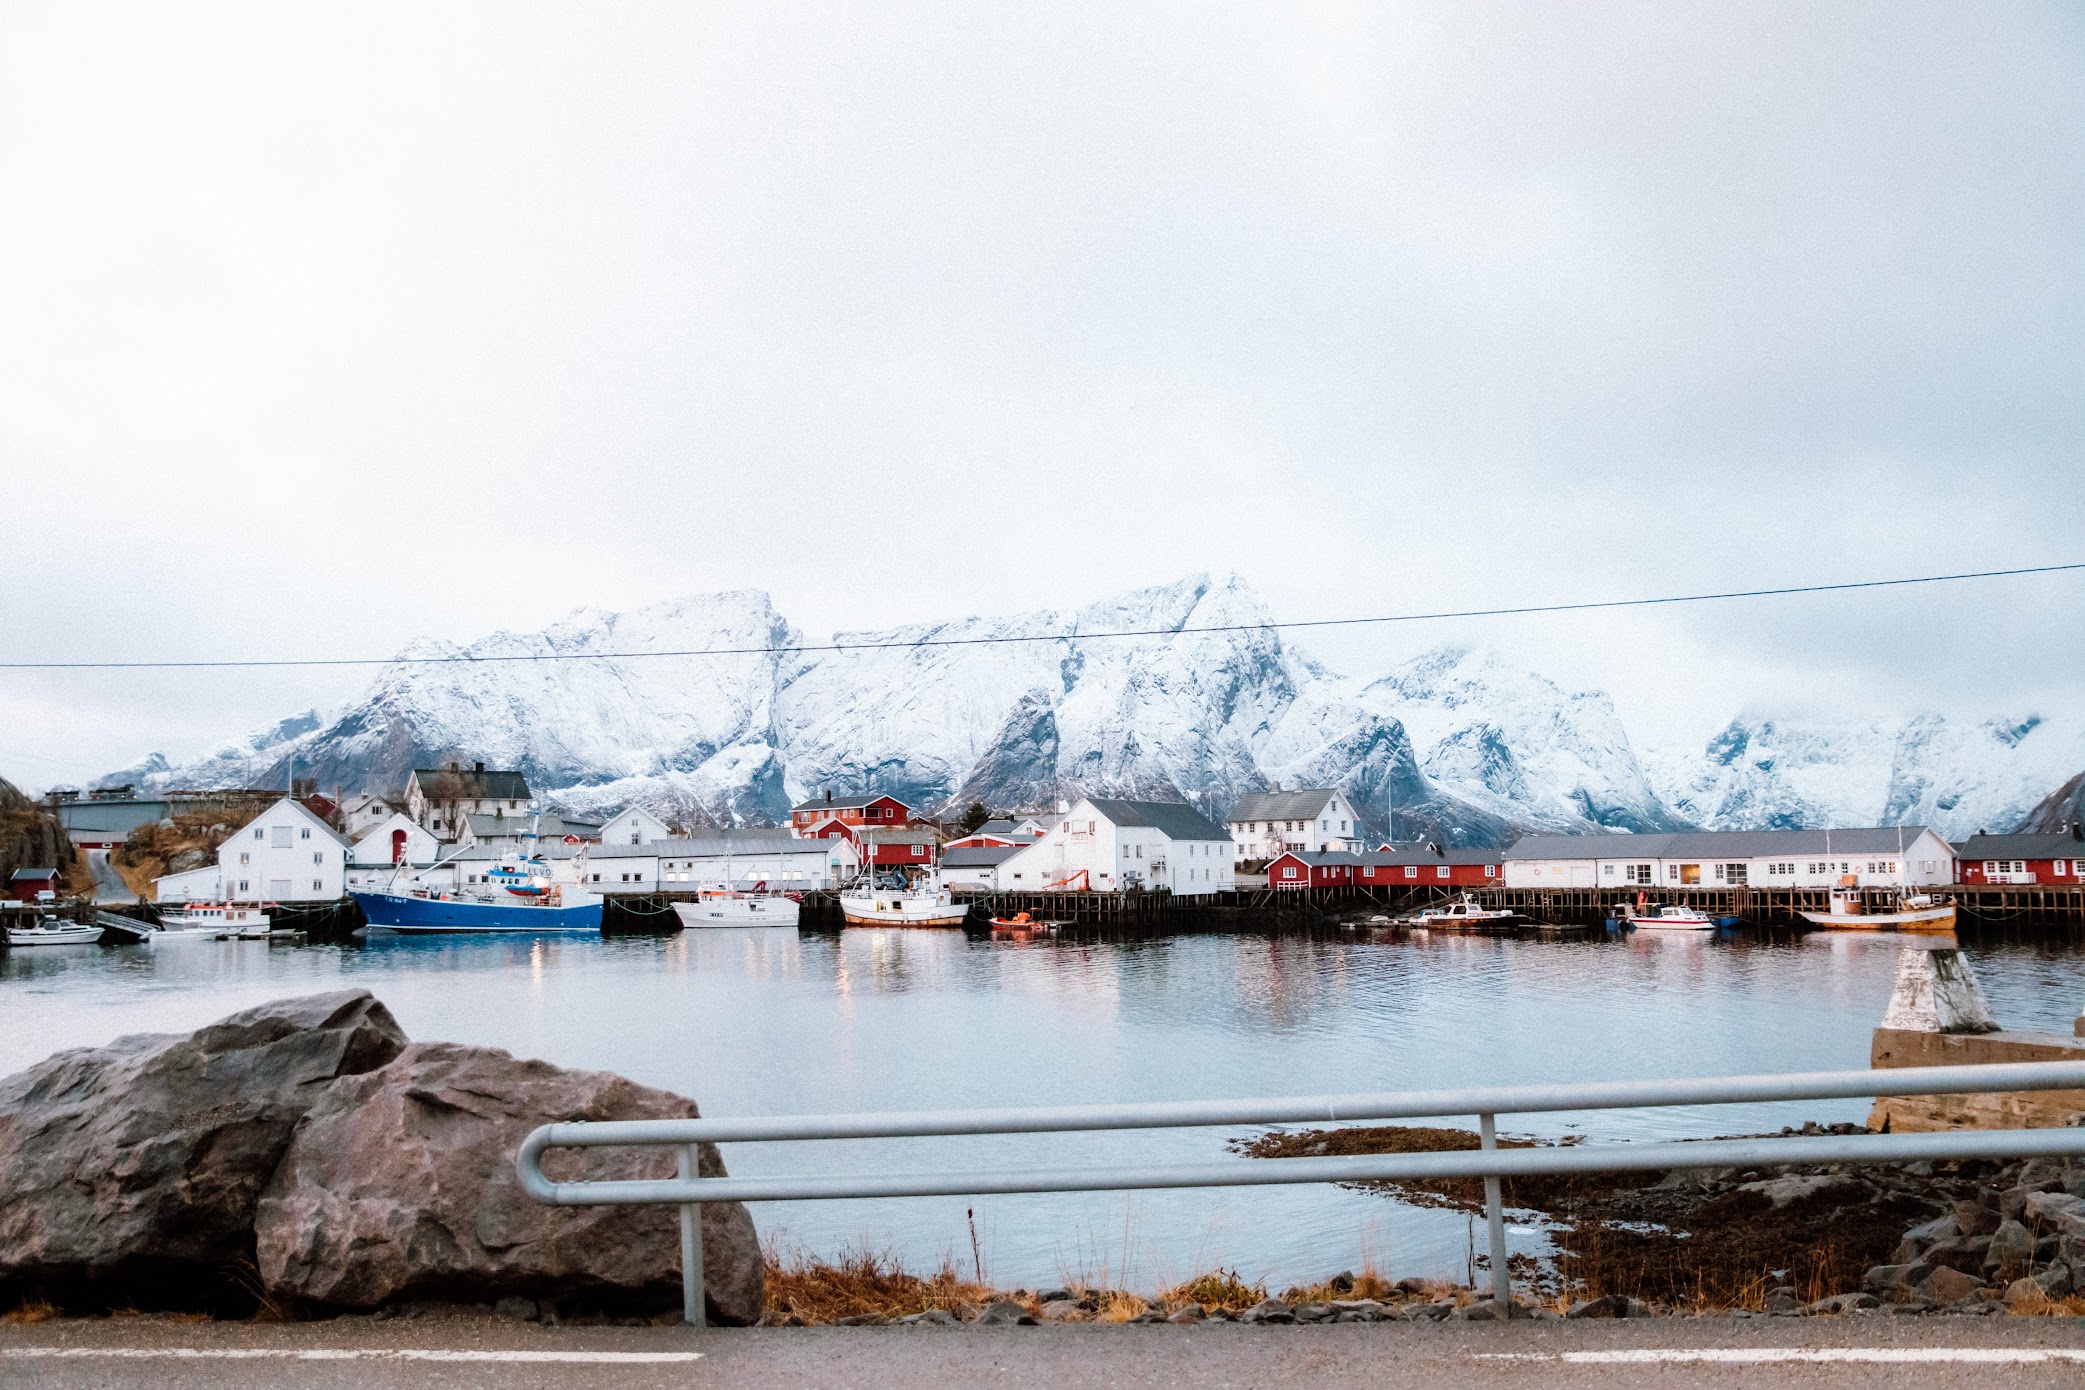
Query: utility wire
1008,639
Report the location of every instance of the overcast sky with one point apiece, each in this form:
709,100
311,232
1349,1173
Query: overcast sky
325,327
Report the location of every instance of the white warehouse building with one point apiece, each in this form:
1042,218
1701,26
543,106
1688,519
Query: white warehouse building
1887,856
286,854
1108,845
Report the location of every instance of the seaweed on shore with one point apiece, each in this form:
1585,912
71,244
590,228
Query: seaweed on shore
1689,1238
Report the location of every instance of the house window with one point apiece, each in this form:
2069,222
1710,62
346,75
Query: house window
245,859
1411,871
1288,871
318,886
242,885
1440,871
304,833
1491,871
258,832
318,857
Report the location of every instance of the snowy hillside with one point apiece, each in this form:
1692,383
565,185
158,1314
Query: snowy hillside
1463,745
1955,776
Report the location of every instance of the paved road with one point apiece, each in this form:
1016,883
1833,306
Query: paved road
109,886
1879,1352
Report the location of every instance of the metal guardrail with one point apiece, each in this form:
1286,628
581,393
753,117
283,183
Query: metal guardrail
1489,1162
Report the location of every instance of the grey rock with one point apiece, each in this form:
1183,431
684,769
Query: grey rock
1939,1228
2059,1211
1062,1309
1004,1313
1057,1296
1191,1313
1611,1305
1910,1308
1945,1285
932,1317
1268,1310
1888,1278
516,1307
135,1169
1975,1219
871,1320
1429,1312
1819,1187
1313,1312
1783,1305
1148,1319
400,1183
1844,1303
1965,1253
2011,1252
1491,1310
1411,1287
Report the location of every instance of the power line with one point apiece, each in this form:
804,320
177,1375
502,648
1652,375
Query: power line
1009,639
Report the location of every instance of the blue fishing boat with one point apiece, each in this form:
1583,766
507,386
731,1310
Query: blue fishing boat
519,897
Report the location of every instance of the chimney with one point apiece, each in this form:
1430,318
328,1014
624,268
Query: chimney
477,767
828,796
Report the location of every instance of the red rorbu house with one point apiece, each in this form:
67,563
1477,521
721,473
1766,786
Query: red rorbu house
830,816
2021,859
1428,865
1313,869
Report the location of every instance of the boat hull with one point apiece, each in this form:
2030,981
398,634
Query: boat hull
1641,924
1932,919
412,915
894,912
738,912
53,936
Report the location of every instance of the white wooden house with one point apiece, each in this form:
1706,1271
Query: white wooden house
1308,821
1871,857
1108,845
364,811
440,797
394,843
634,826
286,854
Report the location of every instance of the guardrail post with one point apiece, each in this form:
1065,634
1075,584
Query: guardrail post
692,1312
1495,1217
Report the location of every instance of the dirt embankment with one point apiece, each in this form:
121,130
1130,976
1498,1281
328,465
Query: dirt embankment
187,841
30,836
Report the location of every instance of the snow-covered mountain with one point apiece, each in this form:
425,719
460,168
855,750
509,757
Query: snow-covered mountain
1012,711
1957,777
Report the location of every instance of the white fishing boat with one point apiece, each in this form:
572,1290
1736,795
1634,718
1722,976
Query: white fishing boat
211,922
54,934
921,902
1464,911
726,907
1919,912
1671,917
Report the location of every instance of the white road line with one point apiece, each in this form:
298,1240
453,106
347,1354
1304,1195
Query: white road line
579,1358
1758,1356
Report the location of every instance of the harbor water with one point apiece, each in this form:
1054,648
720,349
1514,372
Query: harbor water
766,1022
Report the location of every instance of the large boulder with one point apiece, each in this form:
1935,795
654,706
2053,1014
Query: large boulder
130,1173
400,1184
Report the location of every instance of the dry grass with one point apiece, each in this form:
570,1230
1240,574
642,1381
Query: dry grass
2042,1306
862,1283
1222,1288
1366,1284
30,1310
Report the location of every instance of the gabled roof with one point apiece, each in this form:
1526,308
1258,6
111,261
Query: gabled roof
979,856
473,785
1175,819
548,827
1299,805
2023,847
847,803
1714,844
304,811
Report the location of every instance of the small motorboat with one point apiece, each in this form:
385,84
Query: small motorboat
54,934
1919,912
1671,917
211,922
1021,924
727,907
1461,913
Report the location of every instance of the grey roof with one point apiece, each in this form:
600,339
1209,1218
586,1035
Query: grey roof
1303,805
32,873
549,827
2022,847
472,785
769,842
995,827
1175,819
979,856
1429,854
549,849
1714,844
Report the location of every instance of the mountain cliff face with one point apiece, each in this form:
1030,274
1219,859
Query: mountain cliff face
1955,776
1020,711
1459,744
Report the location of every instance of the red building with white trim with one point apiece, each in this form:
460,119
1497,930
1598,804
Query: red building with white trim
812,820
1398,866
2058,859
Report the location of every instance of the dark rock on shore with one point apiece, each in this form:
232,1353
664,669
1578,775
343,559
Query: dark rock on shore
129,1173
400,1185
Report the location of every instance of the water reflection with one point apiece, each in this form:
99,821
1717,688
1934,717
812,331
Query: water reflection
763,1021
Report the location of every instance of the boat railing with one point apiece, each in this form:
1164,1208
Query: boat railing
846,1180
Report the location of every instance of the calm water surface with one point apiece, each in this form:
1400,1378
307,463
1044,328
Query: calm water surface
760,1022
